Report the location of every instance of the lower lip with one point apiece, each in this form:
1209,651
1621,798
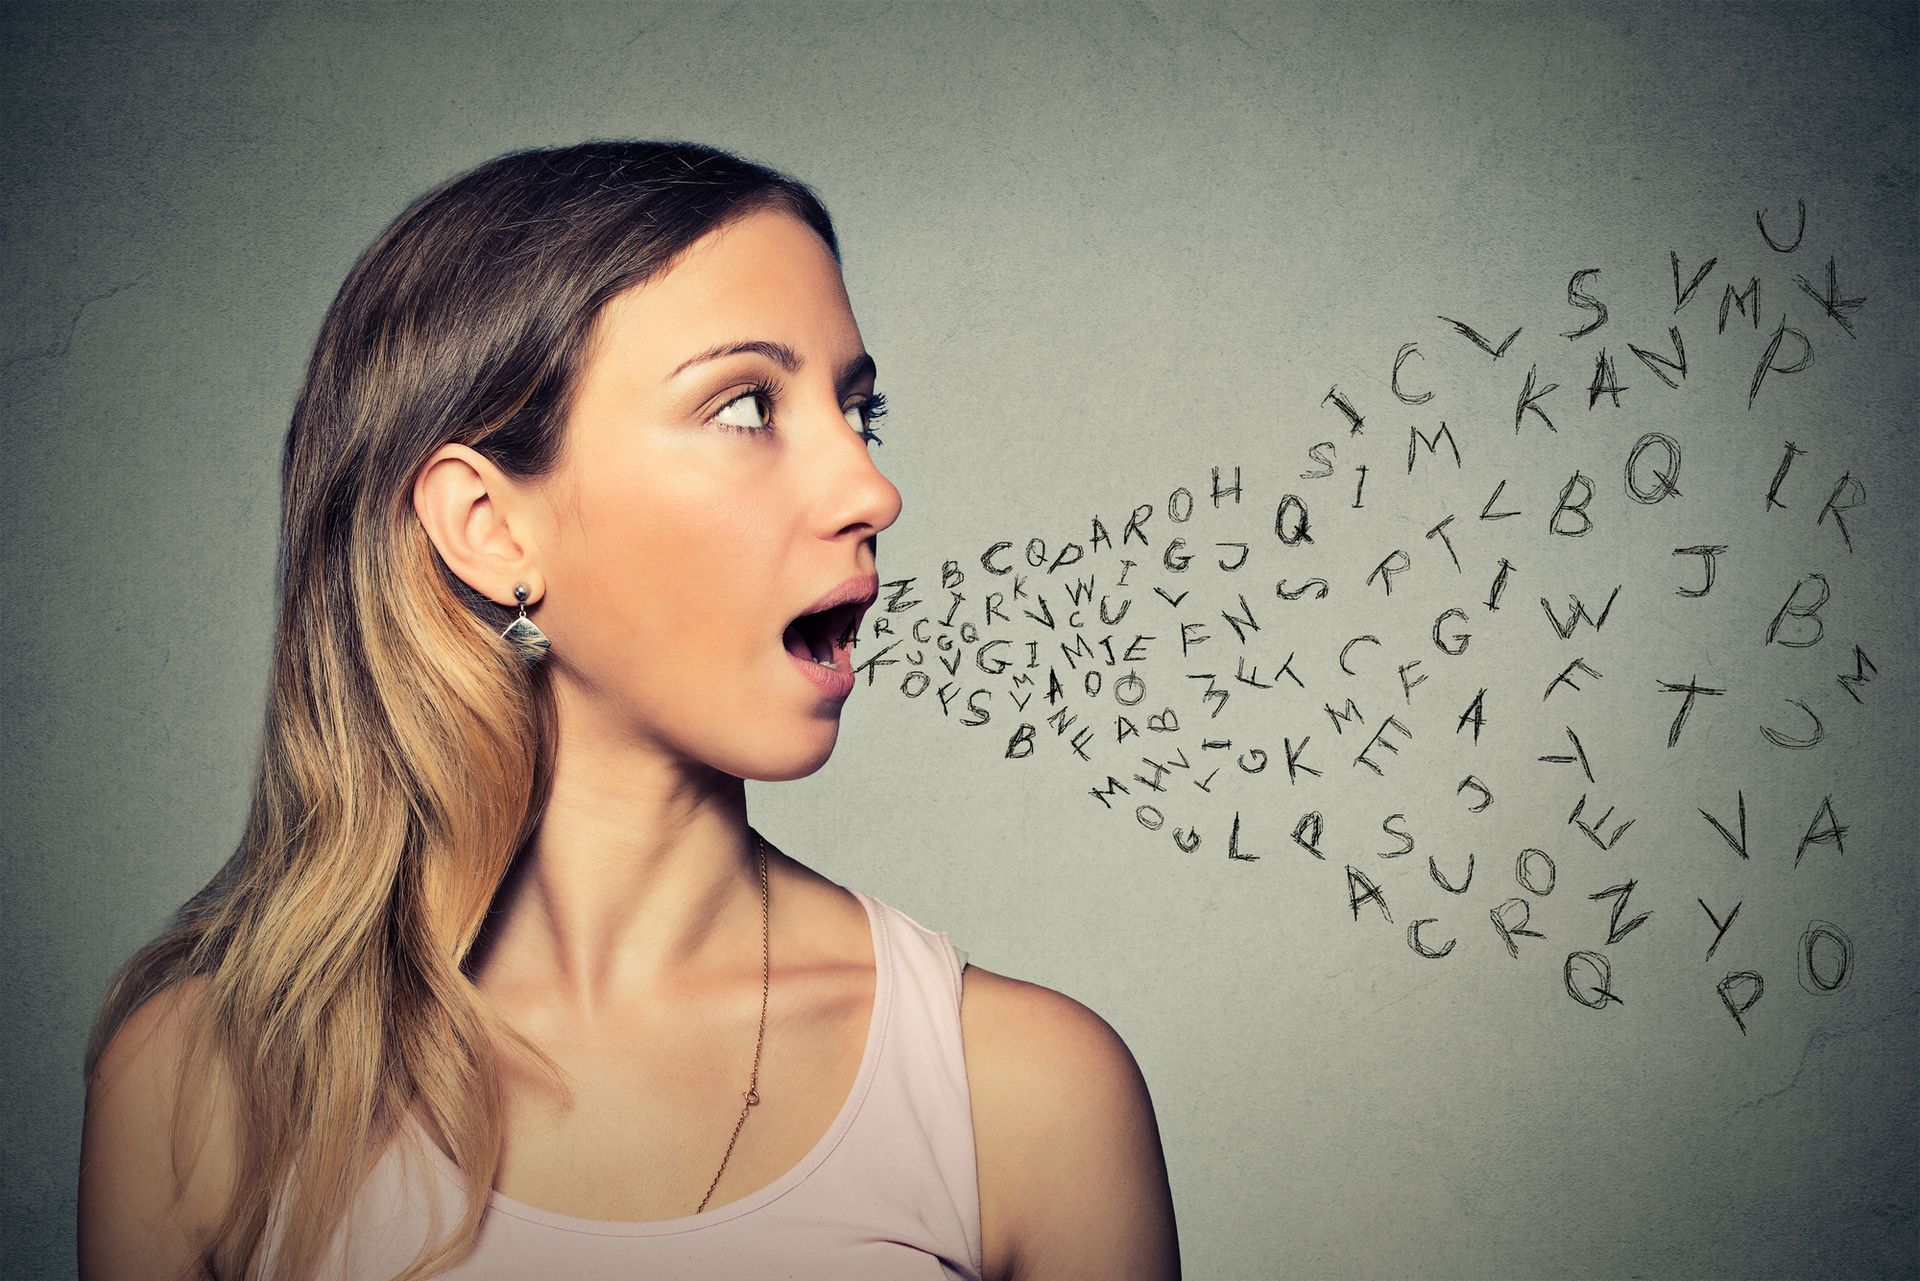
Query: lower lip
834,682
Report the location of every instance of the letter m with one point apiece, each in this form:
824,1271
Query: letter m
1415,439
1862,665
1342,719
1079,647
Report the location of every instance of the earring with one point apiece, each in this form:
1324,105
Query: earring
527,638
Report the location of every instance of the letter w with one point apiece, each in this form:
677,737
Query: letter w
1577,610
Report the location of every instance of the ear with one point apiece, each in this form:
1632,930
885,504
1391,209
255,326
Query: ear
479,521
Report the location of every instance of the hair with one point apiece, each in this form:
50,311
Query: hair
407,746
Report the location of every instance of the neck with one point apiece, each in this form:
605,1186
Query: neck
642,876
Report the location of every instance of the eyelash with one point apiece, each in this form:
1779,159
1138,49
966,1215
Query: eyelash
874,408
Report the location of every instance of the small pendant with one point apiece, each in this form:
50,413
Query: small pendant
524,632
753,1096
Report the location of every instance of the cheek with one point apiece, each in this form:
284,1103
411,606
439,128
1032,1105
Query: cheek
679,577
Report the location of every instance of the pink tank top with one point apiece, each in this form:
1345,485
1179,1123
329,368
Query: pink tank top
889,1191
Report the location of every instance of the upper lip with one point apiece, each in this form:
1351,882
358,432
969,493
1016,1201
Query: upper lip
860,590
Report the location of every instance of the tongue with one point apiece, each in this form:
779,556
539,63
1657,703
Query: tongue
795,643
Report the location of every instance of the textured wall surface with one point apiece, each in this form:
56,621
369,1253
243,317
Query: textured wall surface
1495,844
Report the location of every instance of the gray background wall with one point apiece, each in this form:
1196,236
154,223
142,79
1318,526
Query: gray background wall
1098,253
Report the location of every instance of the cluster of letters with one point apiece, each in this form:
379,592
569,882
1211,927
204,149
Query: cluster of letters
1197,660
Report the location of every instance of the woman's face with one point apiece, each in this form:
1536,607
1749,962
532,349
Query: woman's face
708,496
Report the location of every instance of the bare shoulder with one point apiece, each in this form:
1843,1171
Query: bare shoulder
152,1183
1073,1182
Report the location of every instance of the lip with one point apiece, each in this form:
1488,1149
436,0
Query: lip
862,589
837,682
834,682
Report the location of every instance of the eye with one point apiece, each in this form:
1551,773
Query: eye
863,416
750,411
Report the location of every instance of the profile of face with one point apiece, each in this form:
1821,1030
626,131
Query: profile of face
715,485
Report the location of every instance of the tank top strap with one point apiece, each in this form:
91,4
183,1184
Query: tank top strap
912,1142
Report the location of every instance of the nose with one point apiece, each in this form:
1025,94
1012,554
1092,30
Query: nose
858,498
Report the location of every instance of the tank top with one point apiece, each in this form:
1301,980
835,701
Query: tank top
889,1191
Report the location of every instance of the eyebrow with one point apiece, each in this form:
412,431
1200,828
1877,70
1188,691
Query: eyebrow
782,355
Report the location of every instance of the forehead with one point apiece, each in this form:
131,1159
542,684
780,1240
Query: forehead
765,275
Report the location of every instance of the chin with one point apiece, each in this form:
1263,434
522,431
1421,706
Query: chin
782,758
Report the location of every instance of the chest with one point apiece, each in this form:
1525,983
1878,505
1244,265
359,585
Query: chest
652,1113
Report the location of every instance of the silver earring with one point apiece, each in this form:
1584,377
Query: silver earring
527,638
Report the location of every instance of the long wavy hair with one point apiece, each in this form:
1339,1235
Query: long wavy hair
407,746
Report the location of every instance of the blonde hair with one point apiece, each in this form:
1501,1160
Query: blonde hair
406,747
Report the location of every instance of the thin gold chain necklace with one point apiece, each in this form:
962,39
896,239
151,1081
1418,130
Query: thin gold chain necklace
753,1078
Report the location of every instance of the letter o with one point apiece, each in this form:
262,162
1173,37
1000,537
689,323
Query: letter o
1523,872
1810,977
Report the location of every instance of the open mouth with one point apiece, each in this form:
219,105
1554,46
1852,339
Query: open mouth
825,636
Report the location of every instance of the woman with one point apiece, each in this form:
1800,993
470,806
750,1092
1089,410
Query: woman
579,518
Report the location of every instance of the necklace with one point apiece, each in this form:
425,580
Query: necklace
752,1096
